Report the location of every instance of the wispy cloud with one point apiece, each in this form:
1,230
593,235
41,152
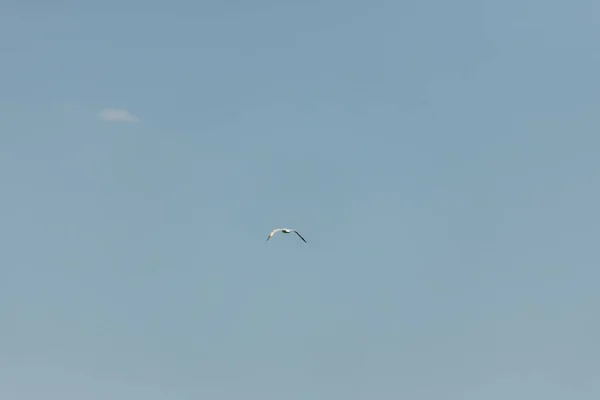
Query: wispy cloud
117,115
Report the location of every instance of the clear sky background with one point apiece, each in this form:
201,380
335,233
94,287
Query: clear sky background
441,158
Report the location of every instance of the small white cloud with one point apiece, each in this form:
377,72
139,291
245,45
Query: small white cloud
117,115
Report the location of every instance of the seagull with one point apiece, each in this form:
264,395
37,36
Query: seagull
285,230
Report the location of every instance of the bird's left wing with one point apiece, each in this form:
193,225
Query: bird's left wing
273,232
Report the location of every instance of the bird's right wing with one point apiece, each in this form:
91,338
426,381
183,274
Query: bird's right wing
300,236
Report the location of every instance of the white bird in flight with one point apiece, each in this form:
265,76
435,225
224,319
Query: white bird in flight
285,230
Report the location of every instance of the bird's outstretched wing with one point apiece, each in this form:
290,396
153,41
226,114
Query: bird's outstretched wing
300,236
274,231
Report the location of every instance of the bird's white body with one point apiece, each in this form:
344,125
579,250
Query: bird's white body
285,230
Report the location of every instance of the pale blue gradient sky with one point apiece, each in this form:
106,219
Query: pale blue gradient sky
442,159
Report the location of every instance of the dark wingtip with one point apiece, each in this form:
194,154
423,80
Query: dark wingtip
299,235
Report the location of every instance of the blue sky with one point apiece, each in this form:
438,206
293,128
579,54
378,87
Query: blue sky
440,158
